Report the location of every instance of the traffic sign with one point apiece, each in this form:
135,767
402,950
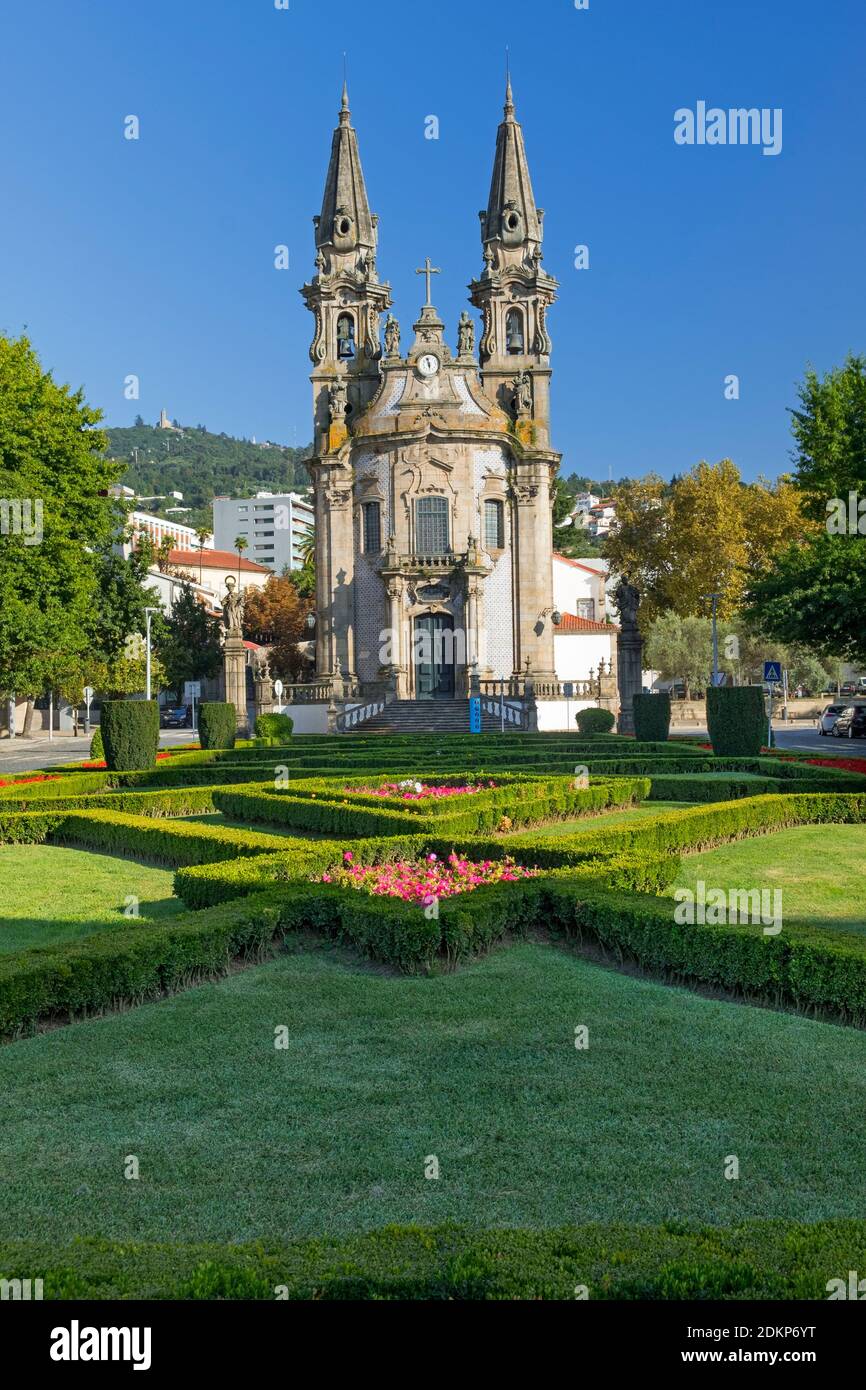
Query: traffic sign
772,672
475,715
192,690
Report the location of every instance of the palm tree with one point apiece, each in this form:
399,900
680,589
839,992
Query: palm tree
241,544
203,535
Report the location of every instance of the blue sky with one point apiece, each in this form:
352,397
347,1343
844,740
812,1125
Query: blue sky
155,257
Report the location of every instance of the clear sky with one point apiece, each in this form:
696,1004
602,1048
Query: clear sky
155,256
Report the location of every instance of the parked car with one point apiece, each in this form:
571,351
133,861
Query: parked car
828,718
851,723
176,717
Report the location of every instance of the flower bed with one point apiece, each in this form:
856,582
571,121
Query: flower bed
410,790
20,781
423,881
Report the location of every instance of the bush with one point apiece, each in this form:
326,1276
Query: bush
736,720
217,724
130,734
594,721
97,752
274,728
652,717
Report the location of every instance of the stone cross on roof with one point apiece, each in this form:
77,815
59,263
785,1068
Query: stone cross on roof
428,270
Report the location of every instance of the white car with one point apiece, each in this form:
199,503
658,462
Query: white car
828,718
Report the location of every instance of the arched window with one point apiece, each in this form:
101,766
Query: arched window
494,526
371,520
431,526
514,339
345,336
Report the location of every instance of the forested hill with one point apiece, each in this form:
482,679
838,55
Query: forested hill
203,465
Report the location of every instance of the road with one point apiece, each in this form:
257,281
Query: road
31,754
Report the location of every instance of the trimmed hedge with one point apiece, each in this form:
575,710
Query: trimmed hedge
169,842
652,717
274,728
736,720
217,724
130,734
756,1260
595,721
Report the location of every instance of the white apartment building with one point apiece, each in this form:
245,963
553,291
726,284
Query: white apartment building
275,525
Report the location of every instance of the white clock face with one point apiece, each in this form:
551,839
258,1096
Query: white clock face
428,364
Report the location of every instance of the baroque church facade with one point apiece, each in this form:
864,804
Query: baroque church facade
432,467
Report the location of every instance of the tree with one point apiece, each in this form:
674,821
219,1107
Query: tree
241,544
275,616
680,649
813,592
57,524
304,579
202,535
706,532
188,642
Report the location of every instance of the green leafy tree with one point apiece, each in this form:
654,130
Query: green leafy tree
56,527
813,593
188,641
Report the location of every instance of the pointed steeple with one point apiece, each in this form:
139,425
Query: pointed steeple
345,224
512,217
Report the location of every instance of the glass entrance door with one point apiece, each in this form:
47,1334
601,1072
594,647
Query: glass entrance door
433,655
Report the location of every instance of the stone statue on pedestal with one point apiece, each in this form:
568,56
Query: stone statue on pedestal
234,651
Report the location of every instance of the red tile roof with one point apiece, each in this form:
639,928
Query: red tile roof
567,560
215,559
571,623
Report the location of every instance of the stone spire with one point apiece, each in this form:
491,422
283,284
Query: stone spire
512,222
345,228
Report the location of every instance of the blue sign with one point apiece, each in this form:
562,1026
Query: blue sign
772,672
475,715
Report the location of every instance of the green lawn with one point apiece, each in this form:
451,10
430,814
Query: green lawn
51,894
821,871
596,823
238,1140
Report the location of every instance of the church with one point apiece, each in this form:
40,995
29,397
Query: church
432,464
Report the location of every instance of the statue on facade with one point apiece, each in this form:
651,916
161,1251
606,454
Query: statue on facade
337,401
233,609
392,336
465,335
521,398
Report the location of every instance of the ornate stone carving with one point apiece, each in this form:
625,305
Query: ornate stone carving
392,337
318,351
521,398
466,335
337,401
541,343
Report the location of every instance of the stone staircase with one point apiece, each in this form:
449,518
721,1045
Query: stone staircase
425,717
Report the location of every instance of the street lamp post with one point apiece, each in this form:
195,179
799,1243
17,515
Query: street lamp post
714,600
147,615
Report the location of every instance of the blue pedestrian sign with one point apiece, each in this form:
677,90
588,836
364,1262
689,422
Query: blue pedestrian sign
475,715
772,672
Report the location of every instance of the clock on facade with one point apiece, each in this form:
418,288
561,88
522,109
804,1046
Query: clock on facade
428,364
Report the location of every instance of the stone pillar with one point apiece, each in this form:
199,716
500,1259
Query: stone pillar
629,653
532,570
235,677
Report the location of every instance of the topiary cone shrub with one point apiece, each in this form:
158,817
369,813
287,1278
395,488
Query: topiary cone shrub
274,728
736,720
217,724
652,718
594,721
97,751
130,734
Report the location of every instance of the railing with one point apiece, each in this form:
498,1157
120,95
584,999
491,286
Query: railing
308,693
358,714
511,716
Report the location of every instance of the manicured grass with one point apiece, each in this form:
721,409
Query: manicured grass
821,871
238,1140
51,894
596,823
